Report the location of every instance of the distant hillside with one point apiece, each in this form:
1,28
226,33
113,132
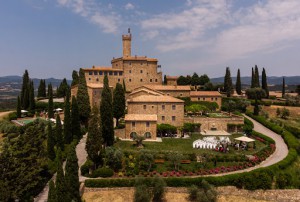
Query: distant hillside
273,80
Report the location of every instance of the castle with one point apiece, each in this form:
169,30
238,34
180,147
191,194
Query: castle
148,101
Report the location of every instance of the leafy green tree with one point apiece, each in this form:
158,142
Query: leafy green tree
146,160
228,88
238,84
159,189
50,102
94,140
106,114
195,79
256,78
61,187
285,113
25,91
283,87
252,79
209,86
59,134
19,107
255,93
264,84
278,112
52,192
118,102
139,140
50,142
75,121
175,159
203,79
68,137
83,99
230,106
71,175
75,78
256,108
5,194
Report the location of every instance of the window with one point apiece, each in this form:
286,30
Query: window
141,71
150,80
198,98
133,124
204,98
97,79
212,99
173,107
115,73
129,80
216,99
180,94
141,63
105,73
116,65
120,73
173,118
118,80
162,118
130,63
90,73
147,135
155,80
129,71
133,134
89,79
145,106
95,73
100,73
141,80
148,124
110,73
163,107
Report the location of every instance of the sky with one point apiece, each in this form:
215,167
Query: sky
51,38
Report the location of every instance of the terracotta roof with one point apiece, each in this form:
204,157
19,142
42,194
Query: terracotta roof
101,69
166,87
95,85
205,93
155,98
146,90
172,77
140,117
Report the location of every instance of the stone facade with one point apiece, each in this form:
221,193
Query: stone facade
172,80
208,96
174,91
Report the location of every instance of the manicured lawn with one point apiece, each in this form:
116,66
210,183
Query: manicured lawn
184,146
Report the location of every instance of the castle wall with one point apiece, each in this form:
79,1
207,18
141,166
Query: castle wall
140,127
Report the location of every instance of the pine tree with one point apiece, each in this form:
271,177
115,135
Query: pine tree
283,87
59,134
68,138
24,91
31,98
94,139
75,78
238,84
252,79
75,121
71,176
50,102
256,78
118,102
83,99
50,142
264,83
60,179
106,114
19,107
228,83
52,192
124,86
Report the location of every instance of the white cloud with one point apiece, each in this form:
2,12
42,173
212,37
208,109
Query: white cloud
94,12
129,6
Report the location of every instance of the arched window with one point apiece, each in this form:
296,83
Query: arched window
147,135
132,134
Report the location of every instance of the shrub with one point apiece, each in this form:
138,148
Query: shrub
158,189
283,180
103,172
12,116
85,168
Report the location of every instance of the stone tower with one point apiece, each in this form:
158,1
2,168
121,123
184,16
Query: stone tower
127,44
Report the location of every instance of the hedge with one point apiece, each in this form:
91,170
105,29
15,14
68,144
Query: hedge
294,130
266,138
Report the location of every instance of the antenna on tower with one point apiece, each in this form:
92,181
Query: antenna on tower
128,30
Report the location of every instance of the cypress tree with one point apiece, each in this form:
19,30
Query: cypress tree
165,80
44,89
118,102
252,79
264,83
52,192
24,90
41,89
106,114
60,179
283,87
31,98
71,176
124,86
68,138
19,107
63,88
75,121
75,78
256,78
50,102
238,84
83,99
59,135
50,142
228,83
94,139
